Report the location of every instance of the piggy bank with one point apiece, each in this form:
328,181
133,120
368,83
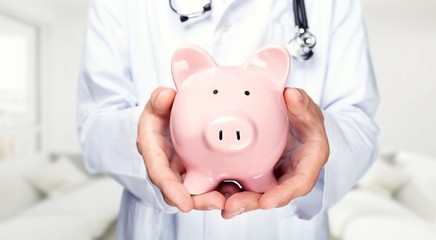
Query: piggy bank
229,122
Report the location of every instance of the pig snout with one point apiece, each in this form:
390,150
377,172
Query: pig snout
230,134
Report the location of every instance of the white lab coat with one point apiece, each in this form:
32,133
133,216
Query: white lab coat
127,54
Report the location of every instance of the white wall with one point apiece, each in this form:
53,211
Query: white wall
403,43
61,24
62,90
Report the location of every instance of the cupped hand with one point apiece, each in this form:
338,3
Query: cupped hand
298,169
162,163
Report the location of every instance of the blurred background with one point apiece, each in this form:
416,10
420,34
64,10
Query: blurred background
44,190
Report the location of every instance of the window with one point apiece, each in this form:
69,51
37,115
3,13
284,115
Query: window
19,124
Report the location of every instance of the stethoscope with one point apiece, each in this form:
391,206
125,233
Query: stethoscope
300,47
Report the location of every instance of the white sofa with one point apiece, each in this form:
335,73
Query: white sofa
396,199
52,200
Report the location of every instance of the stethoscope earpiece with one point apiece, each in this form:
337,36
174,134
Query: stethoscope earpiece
207,7
186,16
183,18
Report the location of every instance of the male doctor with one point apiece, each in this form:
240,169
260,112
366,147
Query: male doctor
126,92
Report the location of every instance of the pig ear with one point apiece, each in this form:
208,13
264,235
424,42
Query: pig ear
187,60
273,59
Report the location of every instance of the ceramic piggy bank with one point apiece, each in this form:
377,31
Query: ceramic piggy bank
227,122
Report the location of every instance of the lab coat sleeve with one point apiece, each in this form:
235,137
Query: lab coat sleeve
349,102
108,110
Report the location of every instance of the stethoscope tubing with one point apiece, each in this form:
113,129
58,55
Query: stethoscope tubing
300,16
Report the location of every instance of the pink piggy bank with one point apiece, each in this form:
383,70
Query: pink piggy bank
229,123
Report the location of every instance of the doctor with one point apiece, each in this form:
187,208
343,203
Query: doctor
125,95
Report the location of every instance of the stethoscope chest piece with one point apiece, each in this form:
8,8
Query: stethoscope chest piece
301,47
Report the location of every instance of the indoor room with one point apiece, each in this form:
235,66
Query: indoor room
47,193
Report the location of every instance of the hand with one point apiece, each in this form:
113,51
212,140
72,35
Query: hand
162,163
298,169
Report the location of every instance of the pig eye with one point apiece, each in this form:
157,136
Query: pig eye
215,91
247,93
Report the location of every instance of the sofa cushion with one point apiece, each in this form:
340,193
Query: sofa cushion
382,227
45,227
433,227
95,203
56,177
383,178
360,203
419,194
16,193
415,164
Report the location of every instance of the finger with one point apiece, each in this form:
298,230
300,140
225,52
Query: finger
282,194
156,150
177,195
154,121
209,201
310,158
300,178
239,203
305,115
296,100
177,167
166,180
161,101
156,115
168,201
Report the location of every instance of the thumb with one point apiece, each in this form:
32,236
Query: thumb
161,101
157,112
297,101
306,116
